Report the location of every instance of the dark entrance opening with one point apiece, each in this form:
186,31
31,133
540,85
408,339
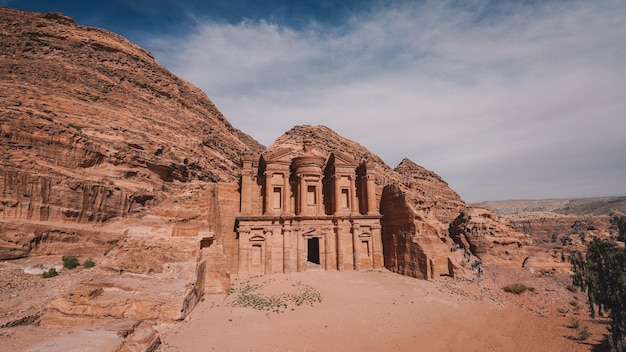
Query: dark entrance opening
313,254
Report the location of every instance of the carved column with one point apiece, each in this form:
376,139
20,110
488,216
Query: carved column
354,207
286,250
371,196
327,258
318,191
336,197
355,247
303,194
377,247
246,184
286,191
322,250
246,194
339,248
244,250
268,252
301,253
268,192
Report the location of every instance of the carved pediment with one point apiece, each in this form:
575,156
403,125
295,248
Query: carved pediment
341,159
282,154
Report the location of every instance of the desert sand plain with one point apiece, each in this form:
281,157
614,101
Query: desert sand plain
383,311
373,310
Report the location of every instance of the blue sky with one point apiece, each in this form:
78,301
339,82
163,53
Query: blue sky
503,99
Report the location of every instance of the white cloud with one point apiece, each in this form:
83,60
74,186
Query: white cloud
503,101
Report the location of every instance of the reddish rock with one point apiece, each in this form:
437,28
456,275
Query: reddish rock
490,238
93,128
553,228
428,193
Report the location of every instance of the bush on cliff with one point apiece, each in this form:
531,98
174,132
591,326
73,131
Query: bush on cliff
89,263
50,273
69,261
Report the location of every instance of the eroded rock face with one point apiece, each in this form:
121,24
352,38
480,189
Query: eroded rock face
552,228
93,128
19,240
428,193
153,275
490,238
104,151
411,246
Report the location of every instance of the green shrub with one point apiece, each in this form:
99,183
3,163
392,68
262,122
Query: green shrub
70,261
518,288
601,273
89,263
572,288
50,273
574,324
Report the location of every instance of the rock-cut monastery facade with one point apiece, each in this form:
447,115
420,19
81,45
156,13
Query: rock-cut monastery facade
302,211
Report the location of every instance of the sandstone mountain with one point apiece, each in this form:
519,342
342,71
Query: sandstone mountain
105,154
93,128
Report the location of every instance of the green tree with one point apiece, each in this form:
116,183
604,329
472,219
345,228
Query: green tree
620,223
602,273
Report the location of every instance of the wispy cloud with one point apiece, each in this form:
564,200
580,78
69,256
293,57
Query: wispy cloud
503,101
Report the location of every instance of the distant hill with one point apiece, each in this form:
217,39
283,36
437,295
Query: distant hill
571,206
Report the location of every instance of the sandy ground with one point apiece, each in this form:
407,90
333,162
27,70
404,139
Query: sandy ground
383,311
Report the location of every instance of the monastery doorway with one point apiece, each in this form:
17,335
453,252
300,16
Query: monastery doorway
313,250
257,257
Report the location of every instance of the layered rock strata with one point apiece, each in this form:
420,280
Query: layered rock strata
93,128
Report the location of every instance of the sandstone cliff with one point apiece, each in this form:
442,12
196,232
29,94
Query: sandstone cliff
429,193
93,128
489,238
105,154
